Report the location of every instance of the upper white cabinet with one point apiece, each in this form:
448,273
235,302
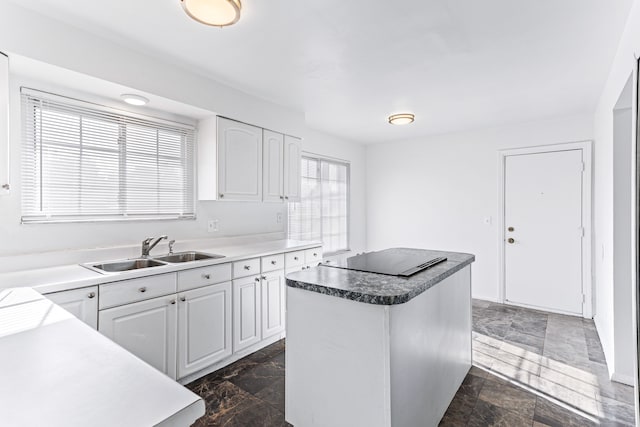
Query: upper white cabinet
273,166
254,164
82,303
204,327
292,178
239,161
4,124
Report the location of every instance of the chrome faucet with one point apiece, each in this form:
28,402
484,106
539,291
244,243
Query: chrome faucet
150,243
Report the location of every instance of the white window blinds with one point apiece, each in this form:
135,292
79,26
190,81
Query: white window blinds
84,162
323,211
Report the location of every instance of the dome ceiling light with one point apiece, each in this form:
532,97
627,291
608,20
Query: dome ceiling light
217,13
132,99
401,119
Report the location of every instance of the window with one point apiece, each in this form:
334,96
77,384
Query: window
84,162
323,212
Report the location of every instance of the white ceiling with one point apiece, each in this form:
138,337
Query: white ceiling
456,64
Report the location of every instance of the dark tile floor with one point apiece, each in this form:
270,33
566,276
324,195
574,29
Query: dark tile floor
531,368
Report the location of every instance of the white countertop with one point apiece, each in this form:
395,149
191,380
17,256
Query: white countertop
66,277
57,371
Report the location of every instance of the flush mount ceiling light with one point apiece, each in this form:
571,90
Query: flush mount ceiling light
217,13
401,119
132,99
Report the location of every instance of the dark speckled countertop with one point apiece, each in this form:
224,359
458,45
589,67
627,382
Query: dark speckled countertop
375,288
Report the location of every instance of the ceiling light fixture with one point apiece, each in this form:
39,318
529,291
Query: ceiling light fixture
401,119
217,13
132,99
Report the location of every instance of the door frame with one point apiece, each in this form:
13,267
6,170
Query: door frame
587,279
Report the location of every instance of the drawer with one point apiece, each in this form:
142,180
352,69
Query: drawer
128,291
294,259
246,267
203,276
313,256
272,263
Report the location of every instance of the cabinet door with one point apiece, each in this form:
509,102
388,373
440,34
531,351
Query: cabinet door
204,327
292,178
82,303
273,166
146,329
4,124
273,290
239,161
246,312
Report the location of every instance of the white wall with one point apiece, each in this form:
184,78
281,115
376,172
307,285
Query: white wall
436,192
34,36
623,66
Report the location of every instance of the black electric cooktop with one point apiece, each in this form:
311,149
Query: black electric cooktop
390,262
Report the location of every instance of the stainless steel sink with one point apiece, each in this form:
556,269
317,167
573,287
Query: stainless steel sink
186,257
124,265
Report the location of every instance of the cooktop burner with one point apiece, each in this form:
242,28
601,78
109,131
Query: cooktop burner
390,262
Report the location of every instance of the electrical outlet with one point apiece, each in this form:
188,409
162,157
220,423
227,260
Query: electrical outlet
212,225
279,218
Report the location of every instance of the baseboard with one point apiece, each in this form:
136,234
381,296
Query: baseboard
621,378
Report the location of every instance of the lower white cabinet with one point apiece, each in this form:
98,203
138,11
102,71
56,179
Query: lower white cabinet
146,329
246,312
273,303
204,327
82,303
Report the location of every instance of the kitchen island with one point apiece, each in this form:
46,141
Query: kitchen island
377,350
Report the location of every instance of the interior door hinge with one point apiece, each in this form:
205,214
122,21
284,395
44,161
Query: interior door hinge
582,166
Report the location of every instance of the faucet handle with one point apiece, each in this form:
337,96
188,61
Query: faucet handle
171,243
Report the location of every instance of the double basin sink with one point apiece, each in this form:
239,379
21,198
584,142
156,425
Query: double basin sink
157,261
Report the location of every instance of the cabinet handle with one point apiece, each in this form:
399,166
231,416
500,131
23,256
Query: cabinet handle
286,197
183,299
281,197
257,279
273,263
91,295
264,277
173,301
315,254
295,258
247,267
221,195
143,289
206,276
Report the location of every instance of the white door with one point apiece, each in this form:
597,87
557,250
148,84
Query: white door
82,303
246,312
146,329
239,161
273,167
292,159
543,230
204,327
273,303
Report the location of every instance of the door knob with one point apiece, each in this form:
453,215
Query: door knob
511,240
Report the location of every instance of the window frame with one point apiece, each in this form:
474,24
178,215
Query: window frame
190,165
321,158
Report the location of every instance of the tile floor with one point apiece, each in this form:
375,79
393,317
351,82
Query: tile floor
531,368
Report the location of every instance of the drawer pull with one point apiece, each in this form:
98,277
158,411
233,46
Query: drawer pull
264,277
173,301
257,279
206,276
183,299
295,258
315,254
247,267
91,295
273,262
143,289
